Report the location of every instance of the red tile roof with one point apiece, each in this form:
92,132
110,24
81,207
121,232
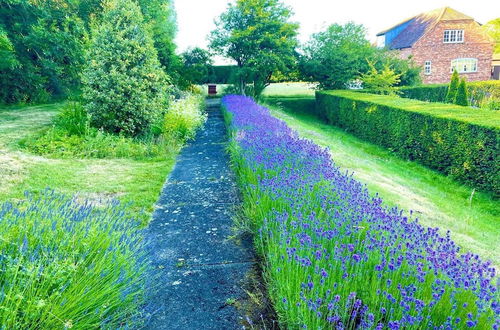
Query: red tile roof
418,25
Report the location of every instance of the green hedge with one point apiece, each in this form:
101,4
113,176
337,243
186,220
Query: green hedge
482,94
222,74
451,139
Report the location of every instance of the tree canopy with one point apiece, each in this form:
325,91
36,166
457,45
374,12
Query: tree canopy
124,87
259,37
336,56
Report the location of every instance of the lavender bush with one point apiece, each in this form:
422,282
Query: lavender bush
337,257
65,264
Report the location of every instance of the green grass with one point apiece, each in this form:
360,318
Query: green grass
439,201
137,182
289,89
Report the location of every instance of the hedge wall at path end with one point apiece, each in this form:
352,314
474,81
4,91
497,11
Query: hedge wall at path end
454,140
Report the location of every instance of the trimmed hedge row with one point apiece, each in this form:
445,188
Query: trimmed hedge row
448,138
482,94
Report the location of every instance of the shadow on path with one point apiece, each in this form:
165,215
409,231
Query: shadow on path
199,270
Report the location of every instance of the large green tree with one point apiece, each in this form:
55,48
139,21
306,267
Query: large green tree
125,89
336,56
493,29
196,65
47,39
259,37
161,19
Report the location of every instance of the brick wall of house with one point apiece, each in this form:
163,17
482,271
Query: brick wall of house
432,48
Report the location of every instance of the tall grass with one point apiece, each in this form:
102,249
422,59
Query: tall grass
336,257
66,264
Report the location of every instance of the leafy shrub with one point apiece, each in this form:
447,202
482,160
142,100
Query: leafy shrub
482,94
383,81
451,94
56,142
73,119
184,117
68,264
124,87
461,95
335,256
448,138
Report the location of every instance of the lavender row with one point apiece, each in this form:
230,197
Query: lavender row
336,256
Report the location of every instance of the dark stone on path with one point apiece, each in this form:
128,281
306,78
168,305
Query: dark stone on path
199,265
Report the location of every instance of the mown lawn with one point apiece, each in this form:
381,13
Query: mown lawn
137,182
438,201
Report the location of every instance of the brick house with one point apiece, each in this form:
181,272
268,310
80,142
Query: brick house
439,41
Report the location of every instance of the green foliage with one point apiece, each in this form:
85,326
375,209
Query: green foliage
222,74
184,117
336,56
45,41
482,94
448,138
7,53
196,65
161,19
67,263
408,70
493,30
258,35
124,87
58,143
72,137
461,97
453,87
382,82
73,119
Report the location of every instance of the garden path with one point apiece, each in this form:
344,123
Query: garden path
199,269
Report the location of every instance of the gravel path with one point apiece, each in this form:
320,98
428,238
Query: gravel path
199,269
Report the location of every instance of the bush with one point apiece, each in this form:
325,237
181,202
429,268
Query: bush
383,81
124,87
482,94
335,256
184,117
73,119
68,264
55,142
451,94
461,95
448,138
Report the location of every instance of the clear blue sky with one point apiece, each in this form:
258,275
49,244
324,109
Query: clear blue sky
196,17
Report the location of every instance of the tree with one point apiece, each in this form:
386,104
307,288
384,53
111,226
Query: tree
383,81
408,70
7,53
161,19
196,65
124,87
452,89
47,40
259,37
336,56
493,30
461,97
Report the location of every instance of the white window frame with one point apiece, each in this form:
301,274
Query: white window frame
428,67
464,65
453,36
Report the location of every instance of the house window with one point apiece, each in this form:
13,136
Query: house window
428,67
464,65
453,36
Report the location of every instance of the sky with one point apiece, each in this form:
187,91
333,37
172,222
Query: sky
195,18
